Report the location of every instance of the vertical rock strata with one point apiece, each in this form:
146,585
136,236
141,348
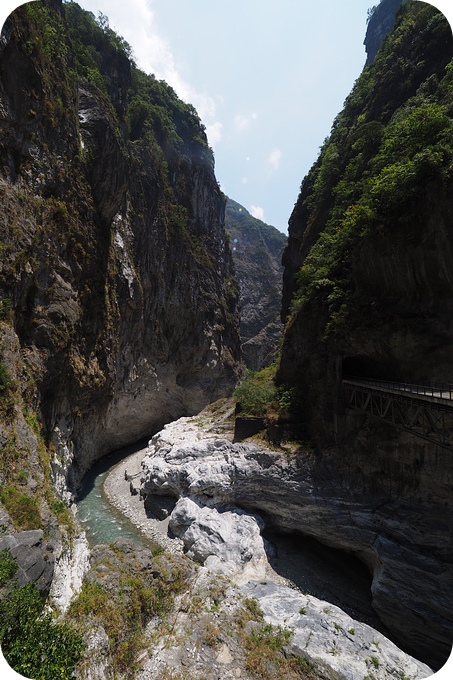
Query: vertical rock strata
114,262
257,252
380,24
368,291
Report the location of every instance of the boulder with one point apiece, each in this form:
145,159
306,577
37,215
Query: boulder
327,637
227,540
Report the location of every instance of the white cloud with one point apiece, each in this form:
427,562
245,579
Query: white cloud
245,180
257,212
136,22
274,158
241,122
214,133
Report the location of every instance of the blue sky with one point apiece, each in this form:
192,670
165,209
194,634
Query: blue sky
267,78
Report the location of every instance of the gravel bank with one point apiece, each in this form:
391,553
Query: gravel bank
117,491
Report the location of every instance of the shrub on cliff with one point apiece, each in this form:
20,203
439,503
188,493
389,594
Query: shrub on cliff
135,589
259,396
32,642
391,141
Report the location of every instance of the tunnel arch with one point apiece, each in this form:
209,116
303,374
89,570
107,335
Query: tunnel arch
371,368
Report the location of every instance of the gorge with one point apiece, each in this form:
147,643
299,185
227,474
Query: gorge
119,313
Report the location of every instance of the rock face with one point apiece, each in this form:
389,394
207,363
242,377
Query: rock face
369,270
70,568
293,494
33,556
115,264
380,24
327,637
226,540
257,253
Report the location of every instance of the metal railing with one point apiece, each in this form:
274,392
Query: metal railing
424,410
432,389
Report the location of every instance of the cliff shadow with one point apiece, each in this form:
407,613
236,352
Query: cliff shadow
328,574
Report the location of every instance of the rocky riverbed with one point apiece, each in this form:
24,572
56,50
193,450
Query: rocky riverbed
188,509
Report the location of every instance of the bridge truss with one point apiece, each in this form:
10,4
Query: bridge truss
423,415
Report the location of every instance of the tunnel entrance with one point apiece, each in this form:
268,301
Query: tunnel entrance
362,366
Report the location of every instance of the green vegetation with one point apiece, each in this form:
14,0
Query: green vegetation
22,508
373,661
391,142
32,642
265,647
8,567
154,112
123,598
6,306
264,650
259,396
57,507
239,222
8,390
93,42
5,378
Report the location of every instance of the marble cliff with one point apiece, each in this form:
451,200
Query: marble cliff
118,312
367,292
257,250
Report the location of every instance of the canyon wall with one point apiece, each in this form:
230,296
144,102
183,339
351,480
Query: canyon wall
380,23
257,252
368,292
115,267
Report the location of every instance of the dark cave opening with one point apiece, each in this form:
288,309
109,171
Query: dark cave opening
331,574
371,368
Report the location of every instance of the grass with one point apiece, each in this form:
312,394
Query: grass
373,661
22,508
8,567
123,596
212,635
266,647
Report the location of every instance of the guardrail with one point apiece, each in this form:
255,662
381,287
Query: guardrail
433,389
424,410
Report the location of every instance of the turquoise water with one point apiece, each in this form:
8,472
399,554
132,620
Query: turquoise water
101,521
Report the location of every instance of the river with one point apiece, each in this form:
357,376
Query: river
102,522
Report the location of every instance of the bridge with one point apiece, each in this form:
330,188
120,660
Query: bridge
424,410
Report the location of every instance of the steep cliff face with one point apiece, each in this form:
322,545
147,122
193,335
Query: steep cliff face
380,24
257,252
368,291
115,264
